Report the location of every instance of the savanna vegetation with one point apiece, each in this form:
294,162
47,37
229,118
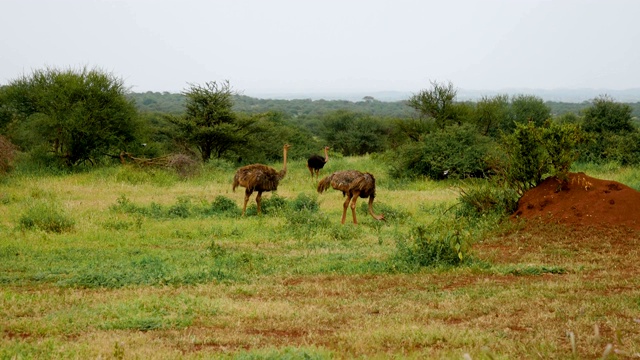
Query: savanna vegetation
120,236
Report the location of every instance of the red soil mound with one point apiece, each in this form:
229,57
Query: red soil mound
582,200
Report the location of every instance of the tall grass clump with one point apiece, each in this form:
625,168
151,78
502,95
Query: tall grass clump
46,216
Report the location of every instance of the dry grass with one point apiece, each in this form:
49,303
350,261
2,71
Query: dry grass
505,305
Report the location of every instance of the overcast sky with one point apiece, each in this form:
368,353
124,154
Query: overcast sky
272,46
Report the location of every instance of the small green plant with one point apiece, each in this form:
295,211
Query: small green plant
46,216
272,205
181,209
438,245
391,214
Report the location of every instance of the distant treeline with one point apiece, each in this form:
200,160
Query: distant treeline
172,103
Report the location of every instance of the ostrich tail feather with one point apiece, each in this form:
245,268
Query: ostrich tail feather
324,184
236,182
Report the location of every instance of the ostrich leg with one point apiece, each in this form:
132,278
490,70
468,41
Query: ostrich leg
258,200
344,208
311,171
247,194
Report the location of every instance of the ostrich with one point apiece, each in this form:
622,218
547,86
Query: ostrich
353,184
260,178
316,162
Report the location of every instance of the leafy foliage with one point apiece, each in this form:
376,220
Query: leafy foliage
437,103
209,122
492,115
533,152
606,115
609,125
78,115
353,133
436,245
457,152
529,109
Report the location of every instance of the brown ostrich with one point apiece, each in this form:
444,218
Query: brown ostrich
353,184
260,178
316,162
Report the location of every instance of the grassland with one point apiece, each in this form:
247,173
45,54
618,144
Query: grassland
127,263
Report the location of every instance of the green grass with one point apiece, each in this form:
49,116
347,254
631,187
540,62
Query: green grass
122,262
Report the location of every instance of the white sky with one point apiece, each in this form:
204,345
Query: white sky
270,46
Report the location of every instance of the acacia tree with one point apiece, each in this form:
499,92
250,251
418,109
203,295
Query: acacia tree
491,114
606,115
529,108
437,103
614,136
209,122
78,115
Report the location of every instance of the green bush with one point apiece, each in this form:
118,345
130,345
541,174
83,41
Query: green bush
458,151
271,205
535,152
222,205
47,217
606,147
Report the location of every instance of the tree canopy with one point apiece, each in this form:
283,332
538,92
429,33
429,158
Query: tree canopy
78,115
209,122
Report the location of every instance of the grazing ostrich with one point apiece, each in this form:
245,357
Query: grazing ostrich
316,162
353,184
260,178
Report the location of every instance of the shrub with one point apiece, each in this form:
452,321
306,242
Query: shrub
271,205
223,205
181,209
533,152
455,152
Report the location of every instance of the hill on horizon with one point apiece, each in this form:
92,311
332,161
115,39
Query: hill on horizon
557,95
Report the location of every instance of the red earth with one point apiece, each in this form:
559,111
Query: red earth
582,201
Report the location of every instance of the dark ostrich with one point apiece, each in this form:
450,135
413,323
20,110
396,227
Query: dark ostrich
316,162
260,178
353,184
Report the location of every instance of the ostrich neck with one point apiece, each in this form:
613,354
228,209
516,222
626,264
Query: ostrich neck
326,155
283,172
